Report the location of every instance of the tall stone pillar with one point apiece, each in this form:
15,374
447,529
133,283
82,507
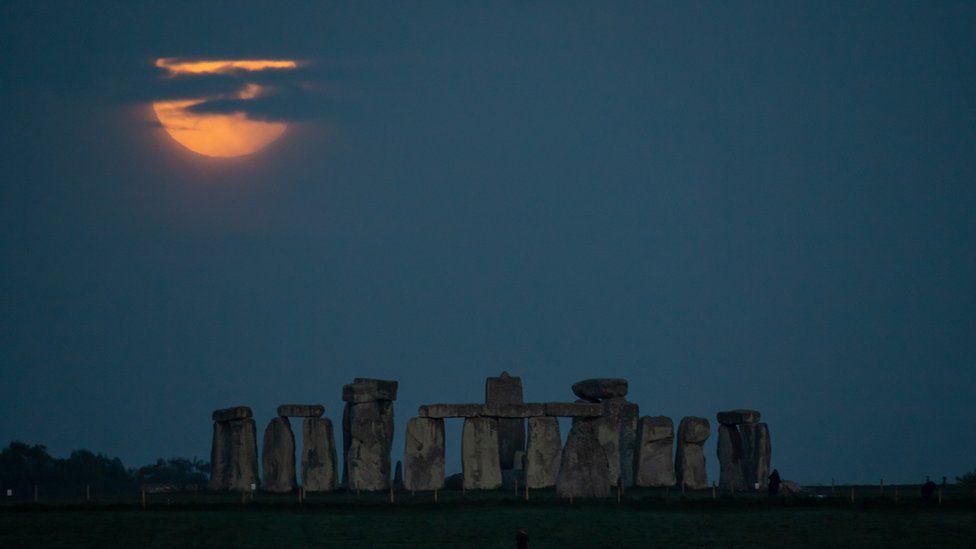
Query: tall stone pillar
655,464
743,450
423,457
544,452
584,471
690,457
758,451
367,433
320,466
278,457
234,453
506,389
479,454
618,429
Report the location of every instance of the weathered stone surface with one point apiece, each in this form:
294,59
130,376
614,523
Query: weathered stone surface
368,437
573,409
234,455
628,415
600,388
503,396
363,390
732,468
479,454
655,462
440,411
398,476
757,451
584,469
513,410
694,430
542,459
320,464
423,457
690,458
278,457
737,417
301,410
229,414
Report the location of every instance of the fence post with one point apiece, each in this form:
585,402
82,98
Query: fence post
852,494
88,492
143,493
882,487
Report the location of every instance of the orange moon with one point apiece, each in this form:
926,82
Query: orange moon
218,135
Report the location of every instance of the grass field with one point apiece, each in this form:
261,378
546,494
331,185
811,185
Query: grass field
644,518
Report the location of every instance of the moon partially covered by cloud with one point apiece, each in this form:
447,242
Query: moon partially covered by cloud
221,135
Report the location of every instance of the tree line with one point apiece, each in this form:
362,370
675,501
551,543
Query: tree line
24,467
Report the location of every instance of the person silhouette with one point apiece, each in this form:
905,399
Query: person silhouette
521,539
928,490
774,482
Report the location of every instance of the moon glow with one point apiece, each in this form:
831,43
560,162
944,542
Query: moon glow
218,134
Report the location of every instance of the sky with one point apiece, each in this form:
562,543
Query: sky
763,205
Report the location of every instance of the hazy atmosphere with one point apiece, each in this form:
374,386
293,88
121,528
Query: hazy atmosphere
750,205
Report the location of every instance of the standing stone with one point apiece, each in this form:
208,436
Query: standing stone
319,462
234,455
690,457
584,469
368,437
500,390
479,454
278,456
730,458
757,451
617,431
544,454
655,464
423,457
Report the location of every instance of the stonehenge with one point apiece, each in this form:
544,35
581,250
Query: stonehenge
744,450
689,466
367,433
504,442
655,465
234,453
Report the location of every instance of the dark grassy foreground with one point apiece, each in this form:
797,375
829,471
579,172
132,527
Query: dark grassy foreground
644,518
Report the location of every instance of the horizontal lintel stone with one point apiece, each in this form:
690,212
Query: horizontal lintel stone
230,414
301,410
574,409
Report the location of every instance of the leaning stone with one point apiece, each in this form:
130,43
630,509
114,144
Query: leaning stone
690,458
368,437
503,394
320,464
440,411
571,409
423,457
228,414
655,462
479,454
278,457
757,451
544,453
601,388
234,455
584,470
301,410
363,390
730,458
736,417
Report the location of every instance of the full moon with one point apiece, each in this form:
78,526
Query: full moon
211,134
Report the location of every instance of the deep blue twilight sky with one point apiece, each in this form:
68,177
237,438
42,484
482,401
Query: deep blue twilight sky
731,204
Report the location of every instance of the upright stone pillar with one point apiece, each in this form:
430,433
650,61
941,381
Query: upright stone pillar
423,457
757,450
655,465
479,454
320,465
732,468
506,389
367,433
544,453
618,429
584,471
278,457
690,457
234,454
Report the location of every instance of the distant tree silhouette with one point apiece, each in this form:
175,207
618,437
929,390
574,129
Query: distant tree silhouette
969,479
176,471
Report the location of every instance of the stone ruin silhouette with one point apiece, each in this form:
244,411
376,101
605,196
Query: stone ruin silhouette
609,444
